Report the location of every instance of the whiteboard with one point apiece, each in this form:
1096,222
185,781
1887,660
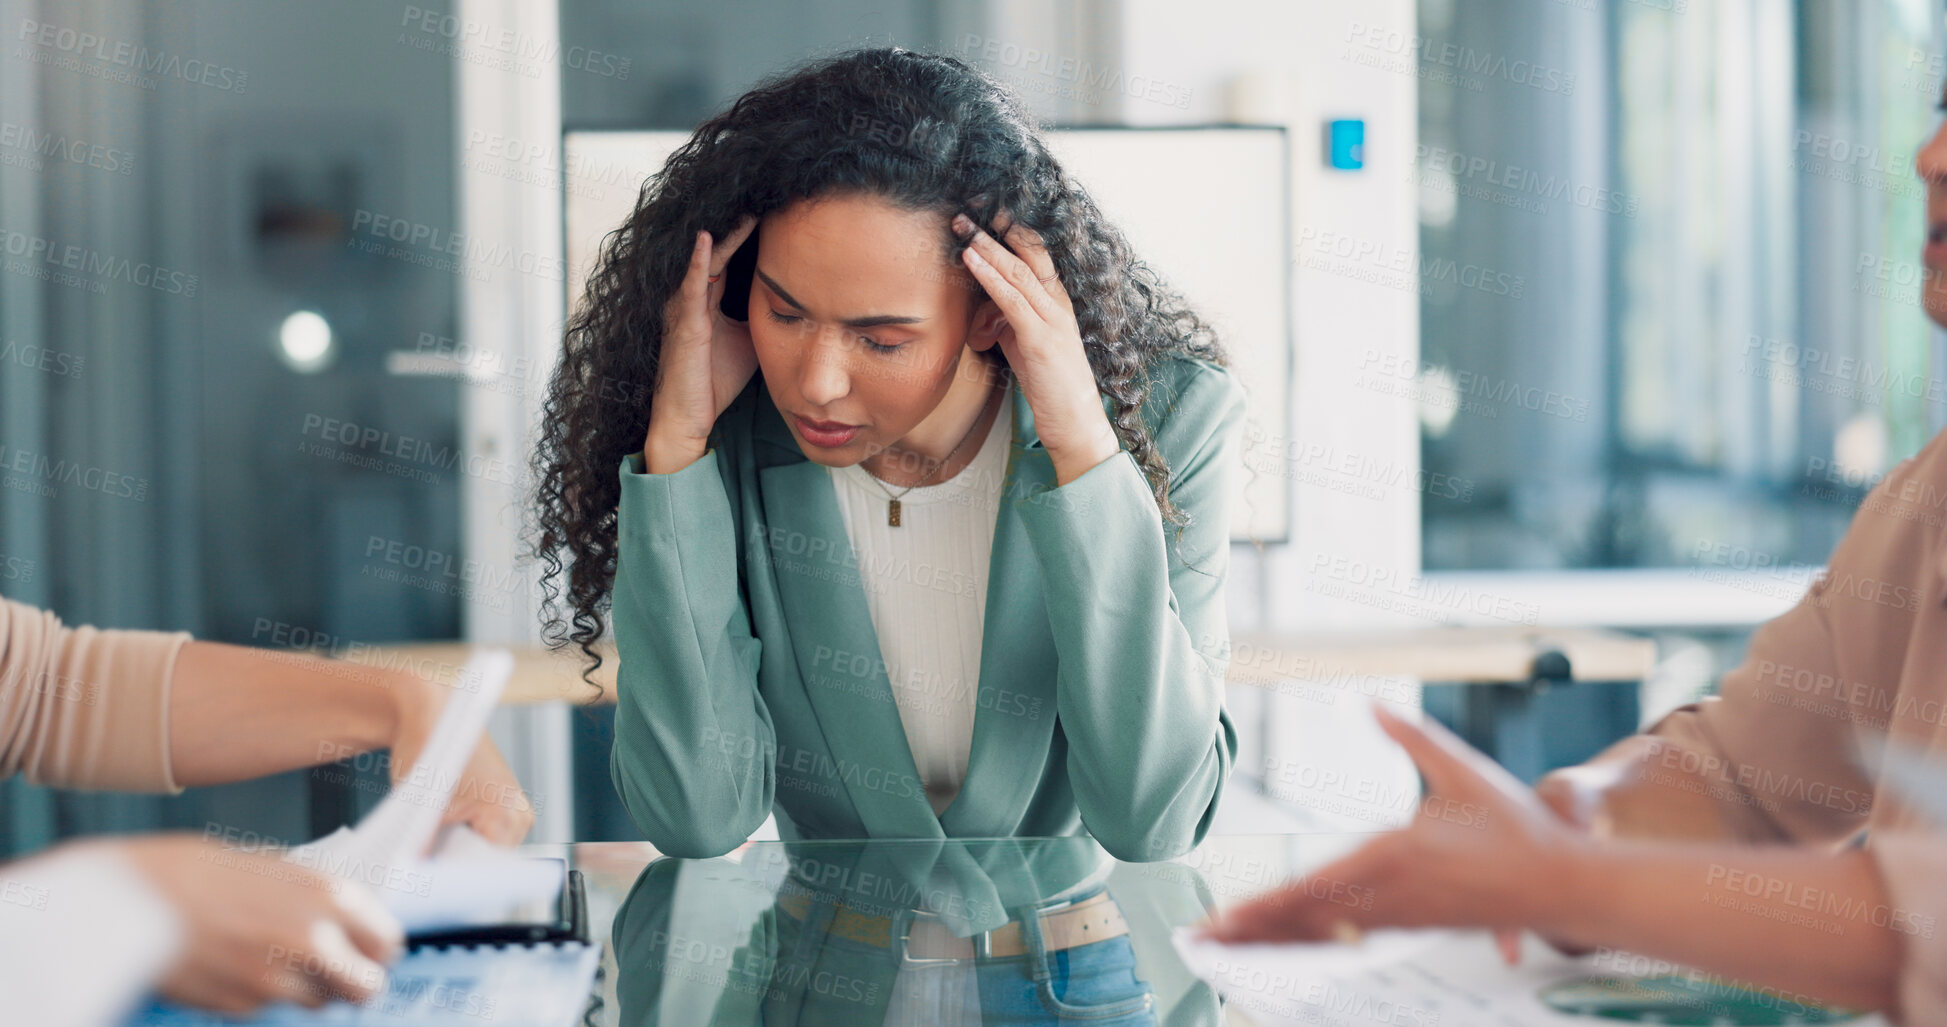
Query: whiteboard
1207,208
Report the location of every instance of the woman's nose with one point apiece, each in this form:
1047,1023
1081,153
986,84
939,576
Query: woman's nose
1931,162
823,377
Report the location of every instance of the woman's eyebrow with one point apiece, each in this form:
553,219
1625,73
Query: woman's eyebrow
868,321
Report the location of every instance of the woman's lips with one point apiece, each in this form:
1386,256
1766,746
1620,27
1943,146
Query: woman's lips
825,434
1935,254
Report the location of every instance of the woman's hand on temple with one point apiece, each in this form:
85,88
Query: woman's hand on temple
258,929
1043,344
706,358
1482,851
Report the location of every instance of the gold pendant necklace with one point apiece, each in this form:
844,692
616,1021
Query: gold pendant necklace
892,499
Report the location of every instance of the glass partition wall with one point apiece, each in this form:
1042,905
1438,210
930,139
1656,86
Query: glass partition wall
199,297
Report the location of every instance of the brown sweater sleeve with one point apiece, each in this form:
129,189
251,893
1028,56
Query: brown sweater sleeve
1910,865
82,707
1778,748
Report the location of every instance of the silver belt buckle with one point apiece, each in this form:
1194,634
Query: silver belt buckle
981,945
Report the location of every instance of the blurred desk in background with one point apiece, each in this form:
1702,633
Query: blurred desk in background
1515,655
541,674
1500,688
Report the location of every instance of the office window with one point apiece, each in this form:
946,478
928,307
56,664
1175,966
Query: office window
205,276
1691,334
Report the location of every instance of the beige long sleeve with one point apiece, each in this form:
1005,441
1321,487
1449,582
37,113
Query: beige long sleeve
1914,867
1783,752
1781,748
83,707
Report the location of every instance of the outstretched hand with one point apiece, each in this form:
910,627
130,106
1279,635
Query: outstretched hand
1482,851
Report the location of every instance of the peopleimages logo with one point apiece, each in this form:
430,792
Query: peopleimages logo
75,45
509,49
50,145
93,262
1457,60
1087,78
1521,184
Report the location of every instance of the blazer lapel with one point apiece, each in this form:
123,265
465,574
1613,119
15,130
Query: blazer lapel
837,651
1015,714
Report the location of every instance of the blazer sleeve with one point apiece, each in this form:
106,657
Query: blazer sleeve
694,746
81,707
1140,631
1777,747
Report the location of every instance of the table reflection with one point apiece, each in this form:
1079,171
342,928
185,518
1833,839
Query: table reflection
938,931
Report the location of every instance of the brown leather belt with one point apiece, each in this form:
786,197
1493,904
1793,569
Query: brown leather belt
1096,918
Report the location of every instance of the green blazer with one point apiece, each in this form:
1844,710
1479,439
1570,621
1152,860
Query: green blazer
750,678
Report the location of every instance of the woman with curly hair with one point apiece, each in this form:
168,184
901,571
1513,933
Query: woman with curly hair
905,483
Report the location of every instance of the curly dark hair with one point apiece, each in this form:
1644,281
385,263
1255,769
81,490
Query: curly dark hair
924,132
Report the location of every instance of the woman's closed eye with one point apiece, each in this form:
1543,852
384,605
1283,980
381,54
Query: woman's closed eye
866,340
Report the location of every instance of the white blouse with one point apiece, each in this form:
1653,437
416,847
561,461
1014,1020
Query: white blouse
926,585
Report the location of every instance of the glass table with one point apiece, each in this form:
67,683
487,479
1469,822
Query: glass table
936,932
945,933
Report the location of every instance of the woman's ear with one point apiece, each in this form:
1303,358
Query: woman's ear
986,327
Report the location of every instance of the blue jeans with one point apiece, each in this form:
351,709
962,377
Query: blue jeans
1089,984
1094,983
807,976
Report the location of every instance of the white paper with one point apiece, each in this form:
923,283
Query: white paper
1452,978
428,877
401,829
476,889
1448,978
1304,960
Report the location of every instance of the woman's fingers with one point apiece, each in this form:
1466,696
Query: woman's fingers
1443,772
343,970
503,822
720,254
489,798
697,280
1027,244
1450,766
1011,268
691,293
1002,291
1312,907
366,923
723,251
1508,941
1284,914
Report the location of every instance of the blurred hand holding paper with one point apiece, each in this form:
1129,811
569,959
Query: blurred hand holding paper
431,878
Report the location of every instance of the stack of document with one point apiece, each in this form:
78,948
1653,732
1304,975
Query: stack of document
459,879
